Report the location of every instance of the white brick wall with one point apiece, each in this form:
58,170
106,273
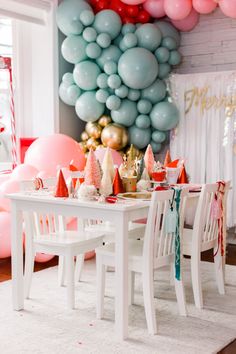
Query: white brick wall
210,46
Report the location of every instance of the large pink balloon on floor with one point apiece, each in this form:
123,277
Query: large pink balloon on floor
188,23
10,186
177,9
49,152
155,8
42,258
24,172
5,234
204,6
133,2
228,7
100,153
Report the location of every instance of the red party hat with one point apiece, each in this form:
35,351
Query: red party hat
173,164
167,158
61,188
183,178
72,167
117,183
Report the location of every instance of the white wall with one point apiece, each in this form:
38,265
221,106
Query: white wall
210,46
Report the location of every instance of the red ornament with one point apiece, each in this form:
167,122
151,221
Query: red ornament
61,188
117,183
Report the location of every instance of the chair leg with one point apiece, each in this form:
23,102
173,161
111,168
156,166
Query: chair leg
196,280
29,269
172,274
79,267
180,295
70,280
61,271
148,297
218,263
101,273
131,287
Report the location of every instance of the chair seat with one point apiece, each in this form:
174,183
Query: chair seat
187,243
135,230
135,249
66,238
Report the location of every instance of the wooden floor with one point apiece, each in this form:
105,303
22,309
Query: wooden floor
5,274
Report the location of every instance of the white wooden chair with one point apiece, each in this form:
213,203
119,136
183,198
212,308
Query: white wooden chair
47,234
204,236
156,250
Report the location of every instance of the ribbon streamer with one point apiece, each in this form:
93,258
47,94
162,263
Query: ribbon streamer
177,237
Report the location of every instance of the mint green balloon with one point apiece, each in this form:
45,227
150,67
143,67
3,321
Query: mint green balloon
111,53
63,94
128,28
117,40
110,67
68,79
114,81
143,121
155,92
113,102
122,91
158,136
164,116
102,80
73,49
107,21
89,34
68,16
126,114
102,95
168,30
156,147
87,17
149,36
169,43
133,95
122,46
88,108
175,57
144,106
103,40
162,54
73,93
93,50
85,75
130,40
140,138
138,68
164,70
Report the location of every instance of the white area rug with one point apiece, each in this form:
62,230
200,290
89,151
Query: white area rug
47,327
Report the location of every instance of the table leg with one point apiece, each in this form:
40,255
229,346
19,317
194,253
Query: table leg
121,266
17,258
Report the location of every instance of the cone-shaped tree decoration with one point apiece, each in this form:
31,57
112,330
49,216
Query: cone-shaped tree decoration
92,175
72,167
167,158
183,178
149,159
145,175
106,183
61,188
100,168
108,164
131,158
117,183
140,168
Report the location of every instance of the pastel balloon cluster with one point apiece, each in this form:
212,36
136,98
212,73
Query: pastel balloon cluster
119,68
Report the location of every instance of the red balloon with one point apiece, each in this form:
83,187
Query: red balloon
143,17
118,7
102,4
127,19
132,10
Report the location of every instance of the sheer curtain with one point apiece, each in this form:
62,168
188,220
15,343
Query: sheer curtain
206,134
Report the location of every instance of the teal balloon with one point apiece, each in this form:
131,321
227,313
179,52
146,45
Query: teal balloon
169,43
164,70
130,40
122,46
122,91
63,94
126,114
117,40
110,67
86,74
128,28
168,30
143,121
87,17
140,138
156,147
113,102
89,34
164,116
73,49
93,50
158,136
73,93
155,92
134,95
111,53
144,106
88,108
175,57
107,21
102,95
68,16
68,79
102,80
114,81
162,54
138,68
149,36
103,40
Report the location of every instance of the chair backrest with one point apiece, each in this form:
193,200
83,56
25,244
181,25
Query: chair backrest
159,244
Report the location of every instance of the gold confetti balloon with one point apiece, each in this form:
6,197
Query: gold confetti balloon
84,136
92,144
83,145
93,130
104,121
115,136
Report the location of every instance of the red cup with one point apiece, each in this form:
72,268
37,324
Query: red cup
159,176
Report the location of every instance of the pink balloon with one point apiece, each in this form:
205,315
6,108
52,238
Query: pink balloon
42,258
10,186
133,2
43,175
5,234
228,7
155,8
24,172
204,6
177,9
188,23
100,153
46,153
4,177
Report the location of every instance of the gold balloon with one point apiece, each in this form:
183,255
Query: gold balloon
83,145
104,121
84,136
115,136
92,143
93,129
